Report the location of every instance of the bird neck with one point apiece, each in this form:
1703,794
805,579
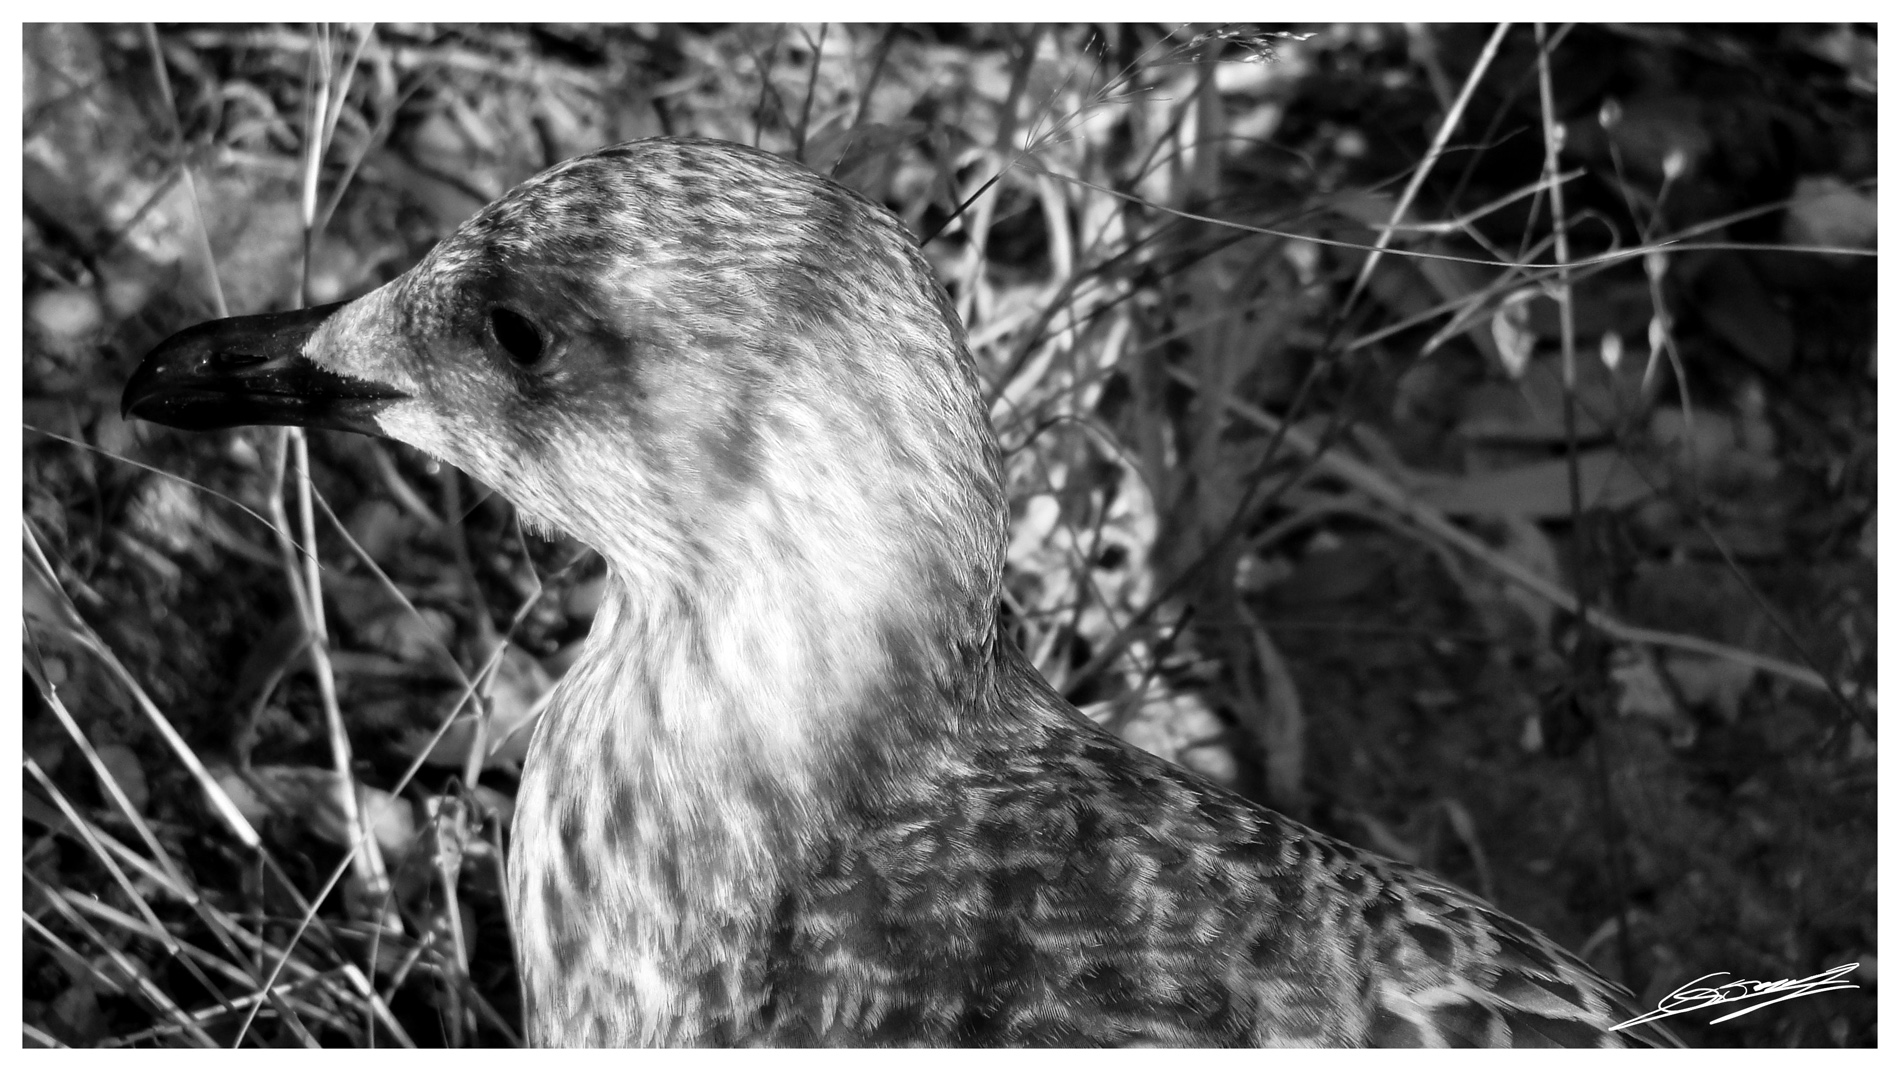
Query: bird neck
706,717
701,749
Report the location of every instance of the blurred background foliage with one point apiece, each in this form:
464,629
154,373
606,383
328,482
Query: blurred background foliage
1275,324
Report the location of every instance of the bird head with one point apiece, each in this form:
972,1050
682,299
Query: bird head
699,358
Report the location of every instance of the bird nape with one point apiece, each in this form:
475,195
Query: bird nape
797,789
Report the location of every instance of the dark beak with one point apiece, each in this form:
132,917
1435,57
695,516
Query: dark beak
250,370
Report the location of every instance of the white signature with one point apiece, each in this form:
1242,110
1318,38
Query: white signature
1689,997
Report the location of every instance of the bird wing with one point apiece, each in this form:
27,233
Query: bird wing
1345,945
1061,887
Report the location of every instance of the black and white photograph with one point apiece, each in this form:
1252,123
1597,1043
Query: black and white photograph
843,534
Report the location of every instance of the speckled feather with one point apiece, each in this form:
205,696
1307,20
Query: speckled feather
797,790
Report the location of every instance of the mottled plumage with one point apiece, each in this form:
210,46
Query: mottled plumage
797,790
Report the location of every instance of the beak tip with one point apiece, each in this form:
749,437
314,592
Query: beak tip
135,399
130,397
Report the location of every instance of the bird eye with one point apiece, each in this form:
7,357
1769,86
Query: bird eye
516,335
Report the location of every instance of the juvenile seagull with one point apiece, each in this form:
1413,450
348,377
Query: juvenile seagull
797,789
